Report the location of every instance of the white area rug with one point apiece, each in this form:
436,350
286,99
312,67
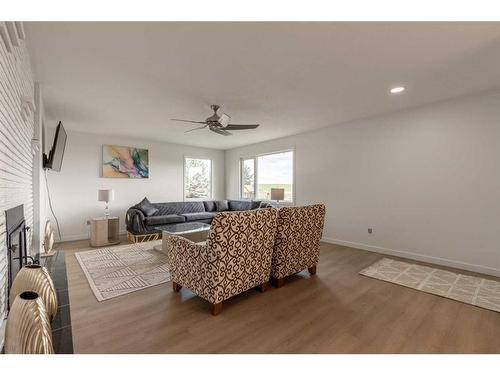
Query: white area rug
473,290
118,270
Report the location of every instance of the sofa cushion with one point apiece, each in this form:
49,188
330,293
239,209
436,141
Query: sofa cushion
178,208
221,206
256,204
194,216
164,219
146,207
209,206
240,205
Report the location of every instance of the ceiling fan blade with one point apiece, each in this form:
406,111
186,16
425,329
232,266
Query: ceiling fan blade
198,128
220,131
241,127
224,120
194,122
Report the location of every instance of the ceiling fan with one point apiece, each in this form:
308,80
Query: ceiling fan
218,123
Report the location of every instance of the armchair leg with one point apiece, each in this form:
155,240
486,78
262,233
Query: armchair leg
176,287
216,308
278,283
312,270
263,287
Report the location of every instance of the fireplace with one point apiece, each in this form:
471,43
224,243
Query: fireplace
17,255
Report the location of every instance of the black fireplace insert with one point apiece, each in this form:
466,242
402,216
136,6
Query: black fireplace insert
17,255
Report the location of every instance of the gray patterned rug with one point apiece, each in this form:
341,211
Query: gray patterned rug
118,270
473,290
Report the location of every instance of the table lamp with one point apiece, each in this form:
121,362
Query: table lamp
277,194
106,195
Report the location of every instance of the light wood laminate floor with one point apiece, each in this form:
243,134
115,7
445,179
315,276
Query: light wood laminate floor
336,311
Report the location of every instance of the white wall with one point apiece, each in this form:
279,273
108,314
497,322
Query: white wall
426,180
74,189
39,192
16,158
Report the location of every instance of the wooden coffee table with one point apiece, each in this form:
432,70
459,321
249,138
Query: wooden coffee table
193,231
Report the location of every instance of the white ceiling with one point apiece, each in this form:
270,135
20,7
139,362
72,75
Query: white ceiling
131,78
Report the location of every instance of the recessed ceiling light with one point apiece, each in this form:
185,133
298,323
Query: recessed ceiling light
397,89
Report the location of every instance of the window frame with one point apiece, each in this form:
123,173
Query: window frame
242,160
184,175
256,171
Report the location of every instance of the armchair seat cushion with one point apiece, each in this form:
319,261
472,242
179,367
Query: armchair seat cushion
194,216
164,219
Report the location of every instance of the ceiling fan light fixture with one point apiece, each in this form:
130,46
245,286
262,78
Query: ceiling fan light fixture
218,123
224,120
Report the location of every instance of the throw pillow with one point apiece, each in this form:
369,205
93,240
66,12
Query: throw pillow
221,205
146,207
240,205
255,205
209,206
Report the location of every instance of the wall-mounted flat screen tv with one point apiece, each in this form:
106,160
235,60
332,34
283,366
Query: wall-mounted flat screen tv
56,154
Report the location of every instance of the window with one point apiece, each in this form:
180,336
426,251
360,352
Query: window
261,173
197,178
248,179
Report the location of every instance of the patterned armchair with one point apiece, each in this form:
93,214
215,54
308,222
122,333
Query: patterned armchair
236,256
297,241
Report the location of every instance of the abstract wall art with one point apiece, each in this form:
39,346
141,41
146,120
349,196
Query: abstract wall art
125,162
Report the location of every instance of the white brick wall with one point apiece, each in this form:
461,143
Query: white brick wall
16,159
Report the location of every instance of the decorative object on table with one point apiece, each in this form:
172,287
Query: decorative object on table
48,241
119,270
125,162
104,231
472,290
277,194
28,328
34,277
106,195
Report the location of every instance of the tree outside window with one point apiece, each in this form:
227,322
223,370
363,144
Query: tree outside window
248,179
197,178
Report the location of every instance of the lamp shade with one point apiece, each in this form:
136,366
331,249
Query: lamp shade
106,195
277,194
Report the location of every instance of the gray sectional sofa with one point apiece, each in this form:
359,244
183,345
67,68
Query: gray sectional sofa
145,217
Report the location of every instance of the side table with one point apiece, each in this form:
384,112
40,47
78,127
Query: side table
104,231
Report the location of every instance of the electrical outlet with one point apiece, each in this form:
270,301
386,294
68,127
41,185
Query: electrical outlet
370,230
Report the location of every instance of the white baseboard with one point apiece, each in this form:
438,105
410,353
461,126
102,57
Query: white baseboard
415,256
78,237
